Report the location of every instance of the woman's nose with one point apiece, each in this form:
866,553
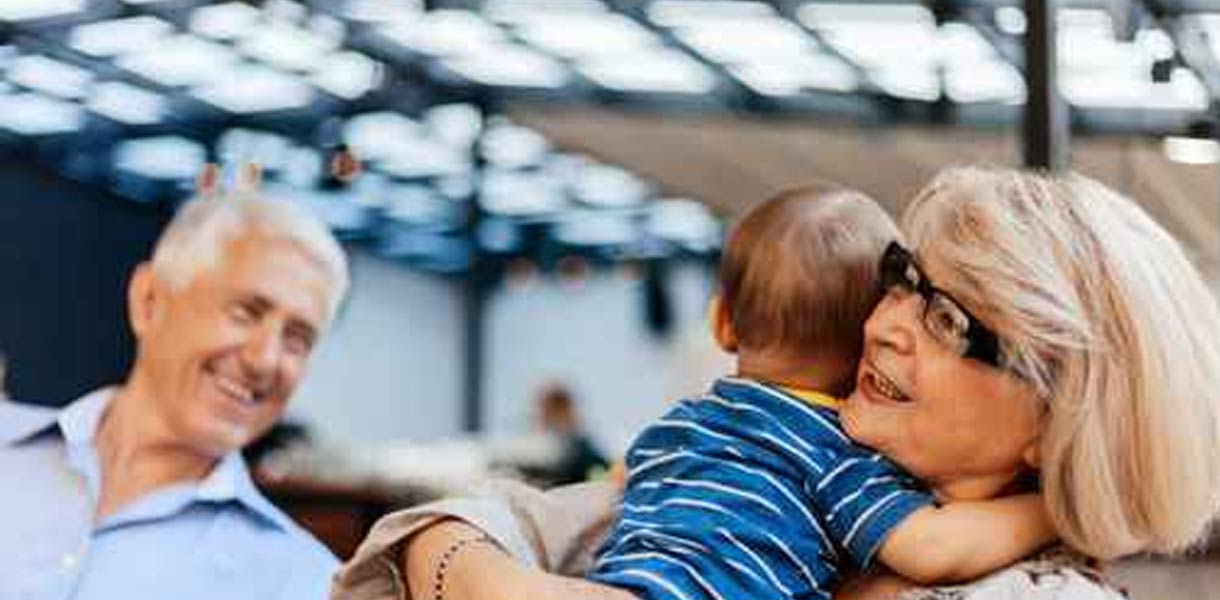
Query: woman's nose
894,323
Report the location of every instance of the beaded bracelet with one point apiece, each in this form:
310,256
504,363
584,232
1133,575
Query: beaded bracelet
438,581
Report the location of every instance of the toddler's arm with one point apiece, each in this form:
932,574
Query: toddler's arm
965,540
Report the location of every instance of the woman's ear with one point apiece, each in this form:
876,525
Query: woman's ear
1032,454
721,325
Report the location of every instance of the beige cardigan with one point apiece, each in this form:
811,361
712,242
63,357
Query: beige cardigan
560,529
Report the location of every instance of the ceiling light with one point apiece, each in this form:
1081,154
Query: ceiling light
227,21
348,75
30,10
127,103
182,60
35,114
1192,151
118,36
254,89
661,70
50,76
163,158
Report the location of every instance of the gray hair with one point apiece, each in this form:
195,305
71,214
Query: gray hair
1101,309
195,239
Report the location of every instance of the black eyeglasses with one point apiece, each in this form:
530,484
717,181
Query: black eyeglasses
943,317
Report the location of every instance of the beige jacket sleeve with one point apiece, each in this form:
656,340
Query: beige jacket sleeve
556,530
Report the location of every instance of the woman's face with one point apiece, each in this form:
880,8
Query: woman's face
964,427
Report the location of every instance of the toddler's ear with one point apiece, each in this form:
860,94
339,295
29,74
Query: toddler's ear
721,325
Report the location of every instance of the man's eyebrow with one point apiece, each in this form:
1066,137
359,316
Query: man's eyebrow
259,301
304,327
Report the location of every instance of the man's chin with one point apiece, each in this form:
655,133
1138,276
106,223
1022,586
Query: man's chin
218,439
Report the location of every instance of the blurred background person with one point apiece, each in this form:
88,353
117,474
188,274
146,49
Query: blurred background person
578,458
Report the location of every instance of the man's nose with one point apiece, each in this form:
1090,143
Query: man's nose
262,352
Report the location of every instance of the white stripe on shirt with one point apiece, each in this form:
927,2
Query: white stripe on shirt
856,494
757,560
694,574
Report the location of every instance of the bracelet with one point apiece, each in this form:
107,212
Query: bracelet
438,581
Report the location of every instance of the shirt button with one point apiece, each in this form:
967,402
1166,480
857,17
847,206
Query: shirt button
68,561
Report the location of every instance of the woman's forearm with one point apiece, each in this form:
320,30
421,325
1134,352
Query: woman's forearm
465,568
874,584
453,561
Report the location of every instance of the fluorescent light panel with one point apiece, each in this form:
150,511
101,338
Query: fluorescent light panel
348,75
519,11
661,70
821,72
182,60
118,36
581,36
228,21
255,89
444,33
50,76
31,113
164,158
127,103
511,65
679,13
30,10
1192,151
749,40
288,47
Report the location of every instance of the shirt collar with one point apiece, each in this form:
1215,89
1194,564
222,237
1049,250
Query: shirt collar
814,397
77,421
20,422
803,395
229,481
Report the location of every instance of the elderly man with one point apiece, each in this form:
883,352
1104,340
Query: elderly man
139,490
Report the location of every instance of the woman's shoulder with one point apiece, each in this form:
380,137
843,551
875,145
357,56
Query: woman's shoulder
1056,574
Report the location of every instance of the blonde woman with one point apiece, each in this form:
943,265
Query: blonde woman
1040,331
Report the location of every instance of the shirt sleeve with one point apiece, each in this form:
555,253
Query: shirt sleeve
703,518
862,499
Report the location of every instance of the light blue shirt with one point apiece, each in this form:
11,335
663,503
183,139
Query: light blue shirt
215,538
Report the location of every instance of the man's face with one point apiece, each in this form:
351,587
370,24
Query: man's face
222,355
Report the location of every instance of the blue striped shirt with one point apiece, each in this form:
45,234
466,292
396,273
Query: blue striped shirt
750,492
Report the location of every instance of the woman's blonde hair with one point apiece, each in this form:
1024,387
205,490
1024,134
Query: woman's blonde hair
1100,310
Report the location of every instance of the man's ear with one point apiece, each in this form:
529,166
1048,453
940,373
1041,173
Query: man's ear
145,299
721,325
207,182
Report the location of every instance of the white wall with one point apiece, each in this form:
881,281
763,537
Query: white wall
391,369
594,339
388,368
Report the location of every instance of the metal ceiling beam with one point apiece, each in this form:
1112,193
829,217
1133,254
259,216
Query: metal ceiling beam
1046,130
